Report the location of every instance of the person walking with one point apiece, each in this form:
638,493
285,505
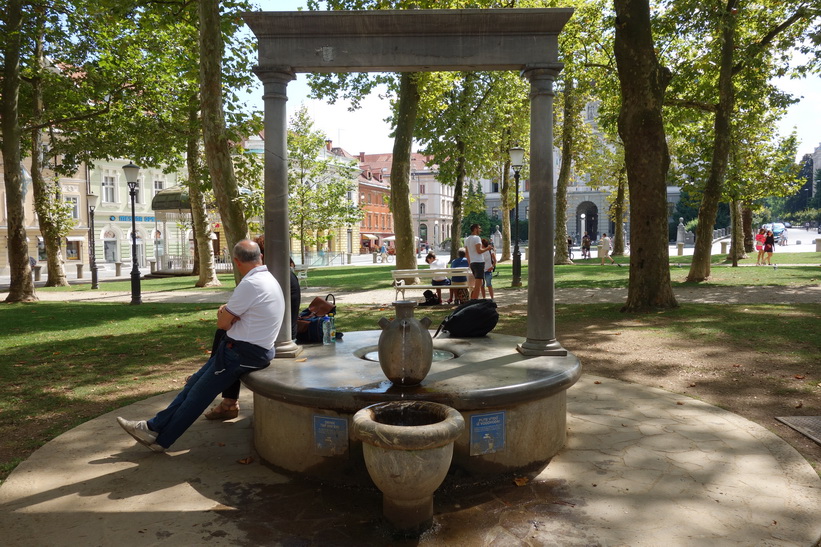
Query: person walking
252,318
769,246
585,246
759,246
606,246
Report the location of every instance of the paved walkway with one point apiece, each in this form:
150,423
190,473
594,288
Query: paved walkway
504,297
641,467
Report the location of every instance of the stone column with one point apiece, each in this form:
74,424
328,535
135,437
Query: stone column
277,244
541,308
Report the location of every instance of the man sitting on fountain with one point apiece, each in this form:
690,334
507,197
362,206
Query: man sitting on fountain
252,317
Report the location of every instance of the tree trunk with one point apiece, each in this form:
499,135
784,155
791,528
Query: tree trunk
572,109
217,151
700,267
21,288
199,219
47,198
737,233
458,192
618,213
400,171
507,193
643,81
747,225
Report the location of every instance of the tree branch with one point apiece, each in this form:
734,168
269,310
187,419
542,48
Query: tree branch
706,107
770,36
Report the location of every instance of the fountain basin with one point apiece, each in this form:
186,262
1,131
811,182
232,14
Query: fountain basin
408,446
513,405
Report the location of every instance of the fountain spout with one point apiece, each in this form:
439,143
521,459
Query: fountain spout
405,346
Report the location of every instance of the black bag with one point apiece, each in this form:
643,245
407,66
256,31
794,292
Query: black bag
309,331
309,322
471,320
430,299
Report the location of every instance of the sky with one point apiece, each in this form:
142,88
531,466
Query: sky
366,131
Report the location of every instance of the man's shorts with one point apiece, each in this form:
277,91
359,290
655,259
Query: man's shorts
478,269
489,279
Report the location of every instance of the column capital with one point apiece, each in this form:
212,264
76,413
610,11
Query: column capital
275,74
542,72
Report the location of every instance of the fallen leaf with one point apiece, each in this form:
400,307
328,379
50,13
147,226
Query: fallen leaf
736,365
521,481
596,382
246,461
302,360
220,444
692,384
679,403
800,404
799,376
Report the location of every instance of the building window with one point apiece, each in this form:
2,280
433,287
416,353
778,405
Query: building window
74,203
72,250
137,192
108,189
158,186
494,212
421,188
422,209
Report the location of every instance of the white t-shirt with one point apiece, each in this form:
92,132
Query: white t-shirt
470,246
260,306
605,244
438,264
488,260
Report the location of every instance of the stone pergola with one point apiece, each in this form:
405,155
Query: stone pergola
525,40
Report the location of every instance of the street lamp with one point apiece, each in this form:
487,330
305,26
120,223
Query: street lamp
517,159
91,199
584,226
131,173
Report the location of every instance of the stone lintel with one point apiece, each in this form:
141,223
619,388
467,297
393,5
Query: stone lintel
409,40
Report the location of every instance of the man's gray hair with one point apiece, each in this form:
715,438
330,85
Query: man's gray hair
247,251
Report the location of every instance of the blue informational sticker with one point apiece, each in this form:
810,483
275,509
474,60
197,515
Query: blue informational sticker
330,436
487,433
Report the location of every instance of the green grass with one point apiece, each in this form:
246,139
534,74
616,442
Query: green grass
161,284
583,274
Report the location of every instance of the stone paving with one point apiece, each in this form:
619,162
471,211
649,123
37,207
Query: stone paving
641,467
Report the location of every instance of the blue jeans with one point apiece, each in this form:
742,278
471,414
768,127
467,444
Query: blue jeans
195,397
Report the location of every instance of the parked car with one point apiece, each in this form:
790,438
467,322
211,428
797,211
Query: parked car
788,225
778,228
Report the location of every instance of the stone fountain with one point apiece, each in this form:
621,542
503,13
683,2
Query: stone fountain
509,390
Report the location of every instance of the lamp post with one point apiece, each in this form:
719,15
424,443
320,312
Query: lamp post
517,158
131,173
91,199
584,226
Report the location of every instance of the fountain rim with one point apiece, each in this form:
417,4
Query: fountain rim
368,429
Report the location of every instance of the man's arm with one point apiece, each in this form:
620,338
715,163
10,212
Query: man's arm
225,319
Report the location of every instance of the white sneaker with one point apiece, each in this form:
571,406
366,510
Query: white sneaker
141,433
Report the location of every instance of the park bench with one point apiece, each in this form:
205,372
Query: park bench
403,278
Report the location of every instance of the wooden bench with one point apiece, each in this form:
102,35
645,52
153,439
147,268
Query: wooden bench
401,278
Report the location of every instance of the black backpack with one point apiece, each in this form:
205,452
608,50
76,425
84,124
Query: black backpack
471,320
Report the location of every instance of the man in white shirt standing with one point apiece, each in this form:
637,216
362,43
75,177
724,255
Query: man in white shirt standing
252,317
474,249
